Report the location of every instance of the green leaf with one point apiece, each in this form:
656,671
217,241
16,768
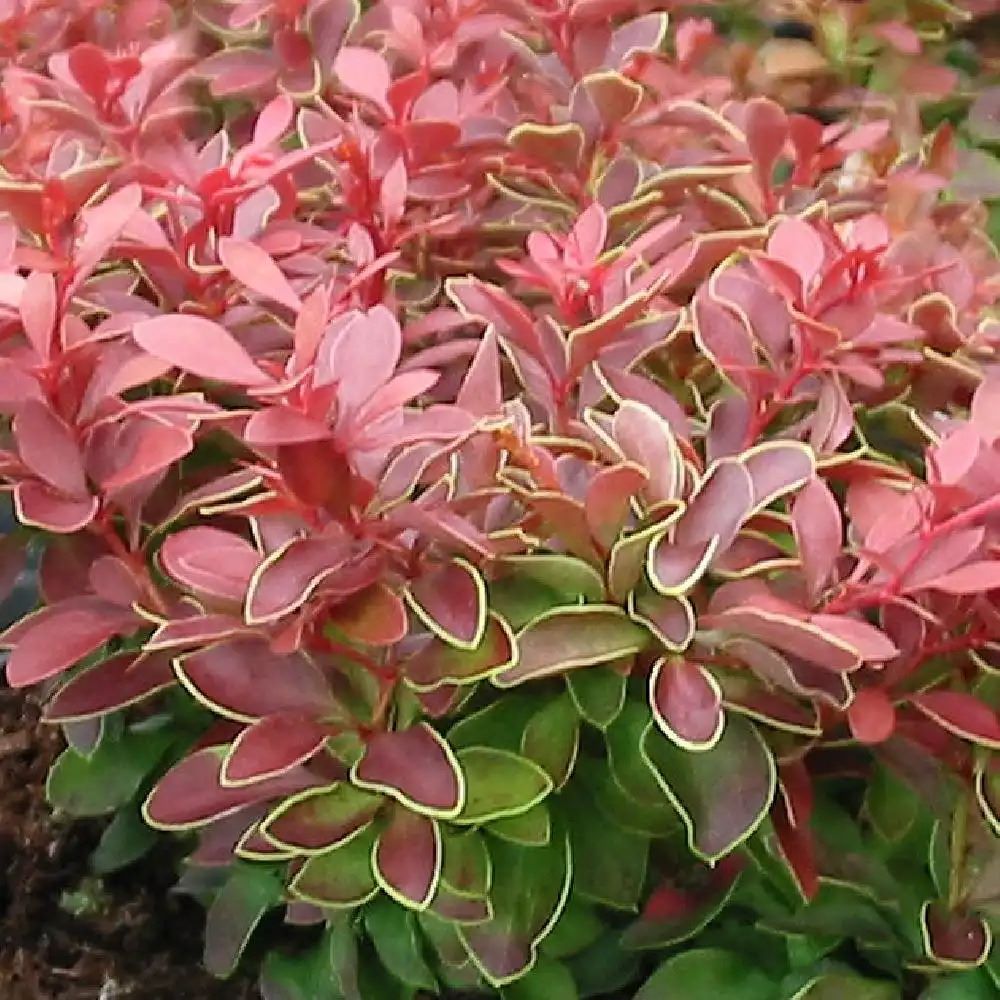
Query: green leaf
891,806
548,980
499,783
305,975
466,868
844,986
722,794
605,968
237,909
552,738
975,985
110,777
708,974
124,840
342,947
393,932
571,578
527,902
610,862
532,828
577,928
499,724
630,772
598,694
341,877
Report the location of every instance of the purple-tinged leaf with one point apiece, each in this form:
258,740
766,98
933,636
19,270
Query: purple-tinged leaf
191,794
973,578
686,703
776,469
670,619
438,663
287,578
272,746
320,818
450,600
234,913
570,638
722,794
414,766
245,680
789,635
407,858
818,530
607,504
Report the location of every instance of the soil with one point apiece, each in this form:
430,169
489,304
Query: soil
139,943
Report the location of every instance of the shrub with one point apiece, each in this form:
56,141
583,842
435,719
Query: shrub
515,501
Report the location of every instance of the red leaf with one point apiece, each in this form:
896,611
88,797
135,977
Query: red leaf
962,714
82,625
871,716
272,746
243,679
210,561
373,617
122,680
199,346
286,579
416,767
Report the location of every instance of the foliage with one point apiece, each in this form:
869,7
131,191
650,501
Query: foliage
514,498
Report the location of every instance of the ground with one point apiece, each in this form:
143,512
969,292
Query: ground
141,942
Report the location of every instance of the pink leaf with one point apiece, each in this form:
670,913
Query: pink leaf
209,561
451,601
38,309
256,269
364,356
199,346
818,531
48,448
796,244
151,448
974,578
365,73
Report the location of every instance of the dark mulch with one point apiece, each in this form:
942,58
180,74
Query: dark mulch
138,943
